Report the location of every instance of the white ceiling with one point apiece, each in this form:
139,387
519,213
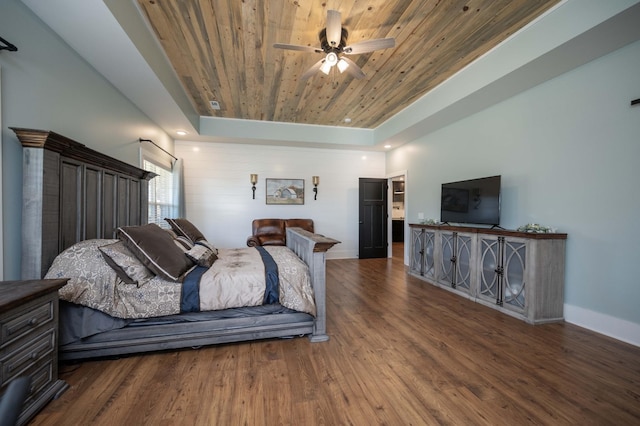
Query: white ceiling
114,38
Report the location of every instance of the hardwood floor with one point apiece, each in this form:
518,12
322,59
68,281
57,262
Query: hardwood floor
402,352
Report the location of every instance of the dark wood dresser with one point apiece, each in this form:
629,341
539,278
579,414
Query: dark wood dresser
29,340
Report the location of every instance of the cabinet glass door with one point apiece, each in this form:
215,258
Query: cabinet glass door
446,274
489,261
463,263
507,258
514,274
429,256
417,251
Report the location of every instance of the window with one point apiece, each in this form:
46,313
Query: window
161,202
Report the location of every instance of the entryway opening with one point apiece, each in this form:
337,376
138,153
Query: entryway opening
397,185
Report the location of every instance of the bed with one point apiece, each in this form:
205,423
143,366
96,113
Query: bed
74,195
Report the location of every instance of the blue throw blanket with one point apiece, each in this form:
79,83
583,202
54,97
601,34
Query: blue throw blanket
190,298
272,287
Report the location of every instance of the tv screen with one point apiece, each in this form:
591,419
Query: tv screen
475,201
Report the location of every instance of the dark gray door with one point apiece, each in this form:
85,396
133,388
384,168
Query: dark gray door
373,218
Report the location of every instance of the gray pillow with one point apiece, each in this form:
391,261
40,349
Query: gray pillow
125,264
208,245
202,255
155,248
184,243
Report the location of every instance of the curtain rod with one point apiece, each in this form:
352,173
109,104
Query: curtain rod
7,46
159,147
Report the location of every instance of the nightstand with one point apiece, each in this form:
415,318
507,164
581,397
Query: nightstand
29,340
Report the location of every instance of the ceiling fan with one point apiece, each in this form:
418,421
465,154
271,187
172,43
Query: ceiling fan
333,42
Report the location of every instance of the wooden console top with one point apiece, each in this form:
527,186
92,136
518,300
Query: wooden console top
494,231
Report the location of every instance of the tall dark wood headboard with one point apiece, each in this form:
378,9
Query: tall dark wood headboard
73,193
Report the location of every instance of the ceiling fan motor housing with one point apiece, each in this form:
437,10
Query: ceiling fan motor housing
326,47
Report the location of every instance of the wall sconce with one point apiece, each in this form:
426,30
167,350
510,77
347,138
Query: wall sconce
316,181
254,180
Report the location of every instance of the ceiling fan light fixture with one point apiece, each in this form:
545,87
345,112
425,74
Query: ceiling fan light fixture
326,67
332,58
329,62
342,65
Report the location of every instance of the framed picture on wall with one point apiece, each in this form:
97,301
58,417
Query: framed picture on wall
285,191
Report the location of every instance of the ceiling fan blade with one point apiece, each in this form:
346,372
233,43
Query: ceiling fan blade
297,47
311,71
369,46
353,69
334,28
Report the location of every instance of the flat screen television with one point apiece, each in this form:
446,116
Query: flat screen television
474,201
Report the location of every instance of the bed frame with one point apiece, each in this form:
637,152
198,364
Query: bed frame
72,193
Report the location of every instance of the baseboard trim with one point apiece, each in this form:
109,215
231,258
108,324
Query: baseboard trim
626,331
336,253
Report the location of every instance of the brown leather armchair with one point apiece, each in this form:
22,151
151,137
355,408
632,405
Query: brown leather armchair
273,232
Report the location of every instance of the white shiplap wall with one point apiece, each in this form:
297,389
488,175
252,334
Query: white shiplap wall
218,191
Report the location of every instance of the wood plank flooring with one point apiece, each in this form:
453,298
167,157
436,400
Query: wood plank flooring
402,352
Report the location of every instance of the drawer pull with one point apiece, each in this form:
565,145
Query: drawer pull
33,355
33,321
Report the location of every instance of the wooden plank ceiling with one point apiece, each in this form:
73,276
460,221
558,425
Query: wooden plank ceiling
223,50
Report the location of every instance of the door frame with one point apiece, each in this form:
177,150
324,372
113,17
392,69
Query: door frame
389,177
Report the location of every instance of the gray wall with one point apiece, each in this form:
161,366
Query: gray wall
568,154
46,85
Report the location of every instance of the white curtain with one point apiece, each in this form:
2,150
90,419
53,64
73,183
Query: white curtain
178,188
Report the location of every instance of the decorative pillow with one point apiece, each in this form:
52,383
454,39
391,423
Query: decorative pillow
184,228
155,248
184,243
171,232
208,245
202,255
127,266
